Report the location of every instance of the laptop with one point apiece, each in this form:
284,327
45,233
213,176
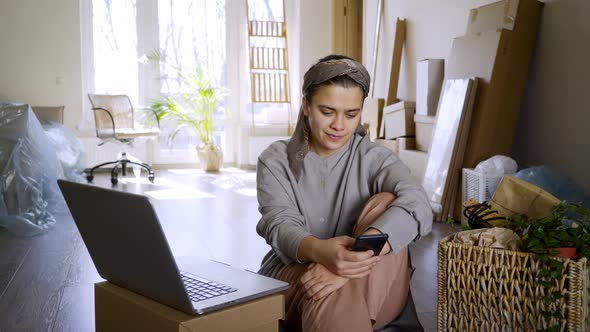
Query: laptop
129,249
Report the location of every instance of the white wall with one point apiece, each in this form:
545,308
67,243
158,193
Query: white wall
554,123
40,42
430,27
554,120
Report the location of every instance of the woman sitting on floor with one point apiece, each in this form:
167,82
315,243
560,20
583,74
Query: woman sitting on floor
326,185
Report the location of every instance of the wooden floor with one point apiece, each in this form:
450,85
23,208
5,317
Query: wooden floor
46,281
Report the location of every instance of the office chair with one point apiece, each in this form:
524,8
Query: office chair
114,119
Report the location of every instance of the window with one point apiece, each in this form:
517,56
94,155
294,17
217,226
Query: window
190,33
119,33
115,47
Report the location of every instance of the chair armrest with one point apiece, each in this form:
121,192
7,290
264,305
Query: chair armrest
95,109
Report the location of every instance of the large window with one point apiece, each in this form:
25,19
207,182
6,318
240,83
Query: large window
190,34
119,35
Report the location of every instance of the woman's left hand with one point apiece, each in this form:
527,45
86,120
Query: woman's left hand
319,282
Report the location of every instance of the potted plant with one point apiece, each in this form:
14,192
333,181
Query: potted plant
565,233
192,107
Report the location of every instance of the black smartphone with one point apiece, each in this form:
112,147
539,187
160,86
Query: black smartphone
373,242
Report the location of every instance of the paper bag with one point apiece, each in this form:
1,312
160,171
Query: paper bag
516,196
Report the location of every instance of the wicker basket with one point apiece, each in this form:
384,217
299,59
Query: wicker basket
485,289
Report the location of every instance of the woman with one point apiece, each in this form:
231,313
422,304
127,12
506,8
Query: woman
326,185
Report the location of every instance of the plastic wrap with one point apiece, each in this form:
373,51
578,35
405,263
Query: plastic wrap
69,150
555,183
29,168
497,165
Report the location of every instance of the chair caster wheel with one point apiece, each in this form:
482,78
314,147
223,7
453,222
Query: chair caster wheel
151,177
89,178
114,180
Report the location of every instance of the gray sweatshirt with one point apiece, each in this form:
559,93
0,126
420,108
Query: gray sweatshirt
330,196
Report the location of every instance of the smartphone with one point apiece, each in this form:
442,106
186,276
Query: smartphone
373,242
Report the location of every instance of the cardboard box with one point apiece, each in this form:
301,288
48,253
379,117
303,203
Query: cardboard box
398,119
429,80
497,15
391,144
416,162
395,145
424,124
500,58
118,309
406,143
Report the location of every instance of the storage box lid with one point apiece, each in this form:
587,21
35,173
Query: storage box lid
402,105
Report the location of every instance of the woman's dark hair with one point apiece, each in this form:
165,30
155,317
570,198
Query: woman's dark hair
343,81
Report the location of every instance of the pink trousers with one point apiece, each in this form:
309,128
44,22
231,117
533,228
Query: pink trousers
362,304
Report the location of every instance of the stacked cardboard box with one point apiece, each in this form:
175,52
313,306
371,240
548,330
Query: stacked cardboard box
398,120
424,124
497,49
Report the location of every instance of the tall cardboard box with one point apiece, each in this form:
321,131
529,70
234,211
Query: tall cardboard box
500,58
118,309
429,80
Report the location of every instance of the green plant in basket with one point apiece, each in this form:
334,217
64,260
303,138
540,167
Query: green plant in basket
567,228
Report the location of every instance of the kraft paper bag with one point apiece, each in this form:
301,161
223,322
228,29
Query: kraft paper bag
516,196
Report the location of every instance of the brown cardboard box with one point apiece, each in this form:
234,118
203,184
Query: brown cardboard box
500,58
424,126
398,119
118,309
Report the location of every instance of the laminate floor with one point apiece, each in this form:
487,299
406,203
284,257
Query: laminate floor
46,281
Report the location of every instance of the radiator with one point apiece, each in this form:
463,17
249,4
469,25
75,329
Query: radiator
94,154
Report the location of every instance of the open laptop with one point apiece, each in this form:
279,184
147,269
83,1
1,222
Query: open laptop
129,249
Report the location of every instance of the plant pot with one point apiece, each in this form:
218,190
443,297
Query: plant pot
570,253
210,157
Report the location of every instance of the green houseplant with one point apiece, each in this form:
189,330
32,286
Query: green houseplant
568,226
192,107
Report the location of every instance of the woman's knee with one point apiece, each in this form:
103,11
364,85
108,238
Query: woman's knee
374,208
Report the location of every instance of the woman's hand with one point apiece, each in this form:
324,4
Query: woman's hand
319,282
335,255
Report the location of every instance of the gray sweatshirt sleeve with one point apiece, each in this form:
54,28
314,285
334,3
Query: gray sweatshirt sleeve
281,224
410,214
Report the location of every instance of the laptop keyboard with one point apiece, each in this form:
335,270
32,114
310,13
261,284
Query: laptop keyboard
200,289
